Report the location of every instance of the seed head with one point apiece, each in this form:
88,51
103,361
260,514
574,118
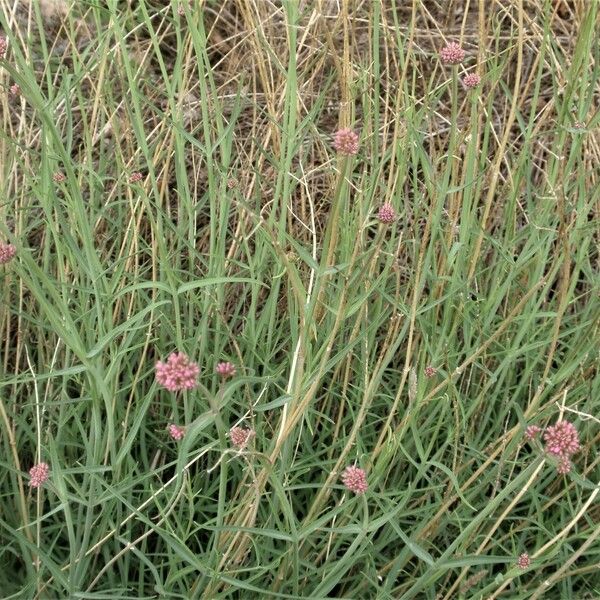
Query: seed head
386,213
562,439
345,142
240,436
471,80
225,369
58,177
135,177
7,253
176,431
178,373
3,46
355,479
39,474
564,466
531,432
523,561
232,183
181,8
452,54
473,581
430,371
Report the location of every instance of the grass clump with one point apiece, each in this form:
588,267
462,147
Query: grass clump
249,356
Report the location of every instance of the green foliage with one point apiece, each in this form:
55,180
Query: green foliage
490,274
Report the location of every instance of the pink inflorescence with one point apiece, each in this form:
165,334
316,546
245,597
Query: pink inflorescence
181,8
562,439
58,177
3,46
345,142
225,369
135,177
386,213
564,466
355,479
176,431
523,561
471,80
430,371
15,89
7,253
240,436
531,432
178,373
39,474
452,54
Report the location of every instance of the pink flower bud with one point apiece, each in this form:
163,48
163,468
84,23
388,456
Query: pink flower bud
345,142
355,479
178,373
452,54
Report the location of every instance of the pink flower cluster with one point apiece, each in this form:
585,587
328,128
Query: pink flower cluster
386,213
39,474
452,54
240,436
531,432
7,253
345,142
176,431
15,89
135,177
430,371
178,373
523,561
562,439
225,369
3,46
471,80
355,479
58,177
181,8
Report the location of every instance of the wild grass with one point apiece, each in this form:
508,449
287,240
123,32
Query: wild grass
249,240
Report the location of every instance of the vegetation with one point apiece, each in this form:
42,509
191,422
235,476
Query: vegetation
170,184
